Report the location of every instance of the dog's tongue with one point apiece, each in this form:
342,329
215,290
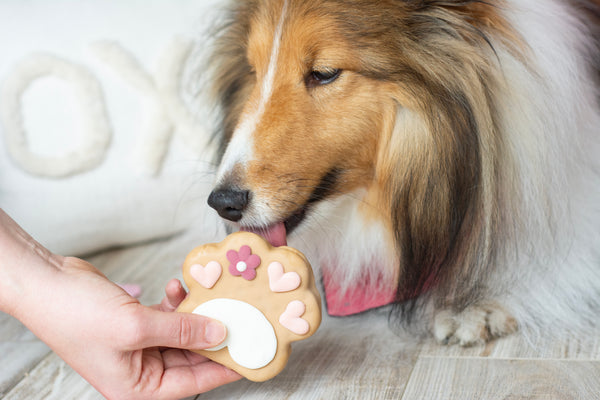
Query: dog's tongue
275,234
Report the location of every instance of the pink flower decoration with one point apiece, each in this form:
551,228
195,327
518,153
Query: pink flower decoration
243,263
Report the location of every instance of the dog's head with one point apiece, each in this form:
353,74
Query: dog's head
324,97
304,122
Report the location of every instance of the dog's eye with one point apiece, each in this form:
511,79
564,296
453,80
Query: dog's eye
322,77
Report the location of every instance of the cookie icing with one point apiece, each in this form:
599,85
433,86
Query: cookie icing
282,282
266,297
292,318
243,263
251,339
206,276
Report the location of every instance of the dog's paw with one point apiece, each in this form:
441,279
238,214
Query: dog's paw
474,325
266,297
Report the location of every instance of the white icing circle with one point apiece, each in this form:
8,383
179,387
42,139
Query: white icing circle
241,266
251,339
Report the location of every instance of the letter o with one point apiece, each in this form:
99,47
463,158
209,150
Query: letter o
95,132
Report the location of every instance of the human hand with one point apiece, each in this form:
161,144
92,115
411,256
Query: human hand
124,349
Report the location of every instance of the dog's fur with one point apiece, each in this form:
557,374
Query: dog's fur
456,157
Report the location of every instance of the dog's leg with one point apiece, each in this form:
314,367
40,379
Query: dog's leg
474,325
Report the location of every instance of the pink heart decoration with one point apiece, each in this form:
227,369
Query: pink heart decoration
280,282
291,318
206,276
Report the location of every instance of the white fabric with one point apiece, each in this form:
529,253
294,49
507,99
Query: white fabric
103,140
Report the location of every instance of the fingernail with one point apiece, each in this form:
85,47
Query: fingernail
214,332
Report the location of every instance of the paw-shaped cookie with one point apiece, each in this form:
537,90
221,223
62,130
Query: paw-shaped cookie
266,297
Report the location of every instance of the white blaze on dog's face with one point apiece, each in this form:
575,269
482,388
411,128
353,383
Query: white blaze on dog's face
309,126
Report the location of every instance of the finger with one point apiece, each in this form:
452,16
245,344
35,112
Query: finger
152,328
181,382
175,294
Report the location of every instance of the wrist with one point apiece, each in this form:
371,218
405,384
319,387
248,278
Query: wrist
25,266
25,283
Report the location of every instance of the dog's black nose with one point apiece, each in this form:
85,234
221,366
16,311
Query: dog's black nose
229,203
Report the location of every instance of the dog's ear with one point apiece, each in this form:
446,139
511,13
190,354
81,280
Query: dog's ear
440,191
443,159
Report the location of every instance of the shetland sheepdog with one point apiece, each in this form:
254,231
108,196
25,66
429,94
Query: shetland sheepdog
441,155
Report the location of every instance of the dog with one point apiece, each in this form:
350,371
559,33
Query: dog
439,155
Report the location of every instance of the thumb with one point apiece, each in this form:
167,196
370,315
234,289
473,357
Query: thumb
178,330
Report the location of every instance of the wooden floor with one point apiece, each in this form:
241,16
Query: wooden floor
348,358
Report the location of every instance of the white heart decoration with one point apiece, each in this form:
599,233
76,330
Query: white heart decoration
282,282
206,276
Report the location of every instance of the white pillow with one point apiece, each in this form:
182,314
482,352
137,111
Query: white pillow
103,138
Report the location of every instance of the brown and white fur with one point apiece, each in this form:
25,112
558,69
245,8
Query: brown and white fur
447,149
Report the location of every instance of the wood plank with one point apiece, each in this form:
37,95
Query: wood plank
348,358
152,265
431,348
20,351
53,379
357,357
581,347
444,378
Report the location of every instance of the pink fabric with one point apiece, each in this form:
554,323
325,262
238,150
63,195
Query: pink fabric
361,297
